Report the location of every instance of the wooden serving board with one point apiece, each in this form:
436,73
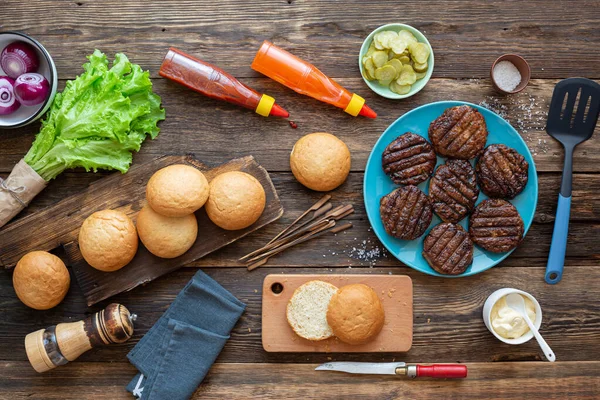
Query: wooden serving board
395,292
59,225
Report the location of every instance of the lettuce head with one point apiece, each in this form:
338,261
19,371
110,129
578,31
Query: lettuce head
98,120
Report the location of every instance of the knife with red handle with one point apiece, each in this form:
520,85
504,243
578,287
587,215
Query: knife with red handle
443,371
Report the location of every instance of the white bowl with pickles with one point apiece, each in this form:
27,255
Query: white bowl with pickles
396,61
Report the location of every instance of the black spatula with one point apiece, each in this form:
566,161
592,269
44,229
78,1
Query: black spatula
572,118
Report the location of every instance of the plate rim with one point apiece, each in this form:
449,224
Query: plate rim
450,103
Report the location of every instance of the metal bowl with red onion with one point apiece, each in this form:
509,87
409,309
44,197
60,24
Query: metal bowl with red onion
28,80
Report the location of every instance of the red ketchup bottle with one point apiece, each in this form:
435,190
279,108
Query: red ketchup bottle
215,83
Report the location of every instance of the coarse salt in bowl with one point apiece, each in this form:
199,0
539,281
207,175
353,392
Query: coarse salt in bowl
510,74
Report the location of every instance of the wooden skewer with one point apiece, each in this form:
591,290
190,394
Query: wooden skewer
319,212
312,235
328,225
335,214
319,215
344,215
314,207
315,225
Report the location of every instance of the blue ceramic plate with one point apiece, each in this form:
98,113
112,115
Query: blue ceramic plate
377,184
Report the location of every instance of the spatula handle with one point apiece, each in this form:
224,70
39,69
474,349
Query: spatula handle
558,247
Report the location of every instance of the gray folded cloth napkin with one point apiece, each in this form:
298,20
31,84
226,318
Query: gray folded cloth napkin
175,355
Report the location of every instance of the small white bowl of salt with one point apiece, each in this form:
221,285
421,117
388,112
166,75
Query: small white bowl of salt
510,73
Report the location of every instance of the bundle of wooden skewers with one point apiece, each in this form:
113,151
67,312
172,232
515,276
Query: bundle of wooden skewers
320,219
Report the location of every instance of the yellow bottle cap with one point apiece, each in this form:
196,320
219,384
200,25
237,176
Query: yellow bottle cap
265,105
356,104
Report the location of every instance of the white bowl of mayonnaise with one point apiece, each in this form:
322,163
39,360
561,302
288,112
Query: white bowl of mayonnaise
507,324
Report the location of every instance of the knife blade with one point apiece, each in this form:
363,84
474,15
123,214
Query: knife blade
361,367
452,371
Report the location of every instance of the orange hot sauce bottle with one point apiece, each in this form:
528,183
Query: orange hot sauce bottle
215,83
306,79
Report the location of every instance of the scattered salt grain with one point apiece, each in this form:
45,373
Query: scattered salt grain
506,76
526,113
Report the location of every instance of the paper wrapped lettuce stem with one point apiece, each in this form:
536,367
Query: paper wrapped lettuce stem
98,120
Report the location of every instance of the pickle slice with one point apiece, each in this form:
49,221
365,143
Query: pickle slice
384,38
379,58
377,42
421,75
398,45
407,76
394,62
400,89
385,74
407,36
371,50
419,52
370,68
420,67
404,59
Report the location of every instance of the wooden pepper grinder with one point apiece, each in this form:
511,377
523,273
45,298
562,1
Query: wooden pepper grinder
57,345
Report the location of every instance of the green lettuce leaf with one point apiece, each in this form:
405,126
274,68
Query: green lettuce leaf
98,120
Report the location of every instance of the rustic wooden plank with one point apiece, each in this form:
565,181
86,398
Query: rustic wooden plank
465,37
585,205
503,380
216,131
60,224
448,326
395,293
349,248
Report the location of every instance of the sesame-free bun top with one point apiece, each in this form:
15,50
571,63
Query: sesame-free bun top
177,190
236,200
320,161
166,237
355,314
41,280
107,240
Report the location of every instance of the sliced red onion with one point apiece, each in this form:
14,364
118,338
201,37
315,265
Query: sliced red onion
8,100
31,89
19,58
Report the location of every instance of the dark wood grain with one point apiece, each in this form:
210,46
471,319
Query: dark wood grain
558,38
216,131
448,325
585,228
466,36
585,206
503,380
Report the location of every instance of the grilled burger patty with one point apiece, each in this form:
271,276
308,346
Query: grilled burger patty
406,212
460,132
448,249
496,226
409,159
453,190
502,172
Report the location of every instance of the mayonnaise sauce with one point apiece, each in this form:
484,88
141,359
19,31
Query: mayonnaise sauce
507,322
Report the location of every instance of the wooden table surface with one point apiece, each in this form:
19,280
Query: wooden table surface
559,39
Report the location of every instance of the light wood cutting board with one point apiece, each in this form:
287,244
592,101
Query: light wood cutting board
395,292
